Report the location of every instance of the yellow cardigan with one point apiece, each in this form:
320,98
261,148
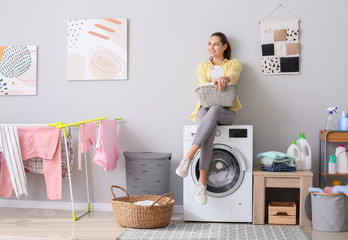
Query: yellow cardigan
231,68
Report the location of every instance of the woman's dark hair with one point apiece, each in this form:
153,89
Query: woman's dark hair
223,39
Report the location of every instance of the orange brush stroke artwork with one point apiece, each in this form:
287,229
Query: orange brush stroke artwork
104,28
2,49
99,35
114,21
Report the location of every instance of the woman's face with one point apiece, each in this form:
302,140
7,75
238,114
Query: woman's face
215,47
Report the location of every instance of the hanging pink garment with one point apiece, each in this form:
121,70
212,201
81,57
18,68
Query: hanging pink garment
6,187
41,142
106,150
87,139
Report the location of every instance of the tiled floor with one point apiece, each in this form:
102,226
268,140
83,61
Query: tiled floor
95,225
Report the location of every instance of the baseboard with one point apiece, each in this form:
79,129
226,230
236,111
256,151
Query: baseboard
178,209
11,203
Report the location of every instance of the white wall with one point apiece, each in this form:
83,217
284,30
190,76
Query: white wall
167,39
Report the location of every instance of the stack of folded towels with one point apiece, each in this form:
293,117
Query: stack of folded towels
276,162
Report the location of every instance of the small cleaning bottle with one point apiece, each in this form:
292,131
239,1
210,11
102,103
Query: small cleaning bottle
332,164
343,122
341,159
306,154
295,152
330,122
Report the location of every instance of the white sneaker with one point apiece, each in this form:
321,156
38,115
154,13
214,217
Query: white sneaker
182,170
201,194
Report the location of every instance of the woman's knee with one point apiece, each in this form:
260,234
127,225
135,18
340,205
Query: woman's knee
215,109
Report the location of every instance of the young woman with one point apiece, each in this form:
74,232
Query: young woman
220,70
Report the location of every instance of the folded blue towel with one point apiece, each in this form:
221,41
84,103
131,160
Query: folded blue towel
278,167
313,189
270,161
340,189
274,155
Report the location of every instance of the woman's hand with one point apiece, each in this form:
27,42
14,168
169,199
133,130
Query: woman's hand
221,83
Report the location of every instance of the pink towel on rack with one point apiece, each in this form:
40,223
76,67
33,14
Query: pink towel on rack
87,139
106,150
41,142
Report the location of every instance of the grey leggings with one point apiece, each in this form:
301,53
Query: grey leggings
208,119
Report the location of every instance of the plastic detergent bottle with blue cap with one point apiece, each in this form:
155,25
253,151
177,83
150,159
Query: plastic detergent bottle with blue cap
343,122
306,153
295,152
330,122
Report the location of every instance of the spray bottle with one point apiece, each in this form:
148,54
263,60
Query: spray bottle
330,122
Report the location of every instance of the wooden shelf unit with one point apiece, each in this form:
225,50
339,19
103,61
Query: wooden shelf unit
329,136
333,136
333,174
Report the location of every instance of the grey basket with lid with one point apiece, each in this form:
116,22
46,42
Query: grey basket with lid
209,95
147,172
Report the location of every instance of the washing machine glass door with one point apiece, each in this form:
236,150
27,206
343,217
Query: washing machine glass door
226,170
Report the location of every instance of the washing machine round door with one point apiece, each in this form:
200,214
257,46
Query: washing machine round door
226,170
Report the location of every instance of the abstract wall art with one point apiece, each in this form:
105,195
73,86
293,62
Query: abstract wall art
97,49
18,70
280,45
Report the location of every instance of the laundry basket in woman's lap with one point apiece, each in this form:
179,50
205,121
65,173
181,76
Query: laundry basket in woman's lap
131,215
209,95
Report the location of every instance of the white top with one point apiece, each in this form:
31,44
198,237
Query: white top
216,72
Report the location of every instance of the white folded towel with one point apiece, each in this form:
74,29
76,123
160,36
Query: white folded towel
146,203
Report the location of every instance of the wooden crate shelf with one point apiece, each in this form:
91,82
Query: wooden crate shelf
334,136
334,174
282,213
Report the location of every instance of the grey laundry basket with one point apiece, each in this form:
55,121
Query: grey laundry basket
330,212
147,172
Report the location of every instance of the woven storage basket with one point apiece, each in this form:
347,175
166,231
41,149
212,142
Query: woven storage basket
209,95
131,215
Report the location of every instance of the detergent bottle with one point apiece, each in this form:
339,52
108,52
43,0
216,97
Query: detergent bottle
343,122
330,122
295,152
341,159
332,164
306,154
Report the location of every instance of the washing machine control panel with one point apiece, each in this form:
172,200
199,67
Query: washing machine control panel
238,133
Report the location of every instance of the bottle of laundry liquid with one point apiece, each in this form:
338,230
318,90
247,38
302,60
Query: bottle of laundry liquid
306,153
295,152
343,122
332,164
341,159
330,122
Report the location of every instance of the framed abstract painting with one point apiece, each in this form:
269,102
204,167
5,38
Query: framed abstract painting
97,49
18,70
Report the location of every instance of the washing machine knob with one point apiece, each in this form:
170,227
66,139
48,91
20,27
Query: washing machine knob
218,133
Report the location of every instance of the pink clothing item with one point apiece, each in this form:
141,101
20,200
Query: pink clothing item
41,142
87,139
328,190
106,150
6,187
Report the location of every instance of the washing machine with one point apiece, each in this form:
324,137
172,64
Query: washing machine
229,180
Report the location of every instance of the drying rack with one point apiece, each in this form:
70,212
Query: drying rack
63,127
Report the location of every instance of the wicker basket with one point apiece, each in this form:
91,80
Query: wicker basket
209,95
131,215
